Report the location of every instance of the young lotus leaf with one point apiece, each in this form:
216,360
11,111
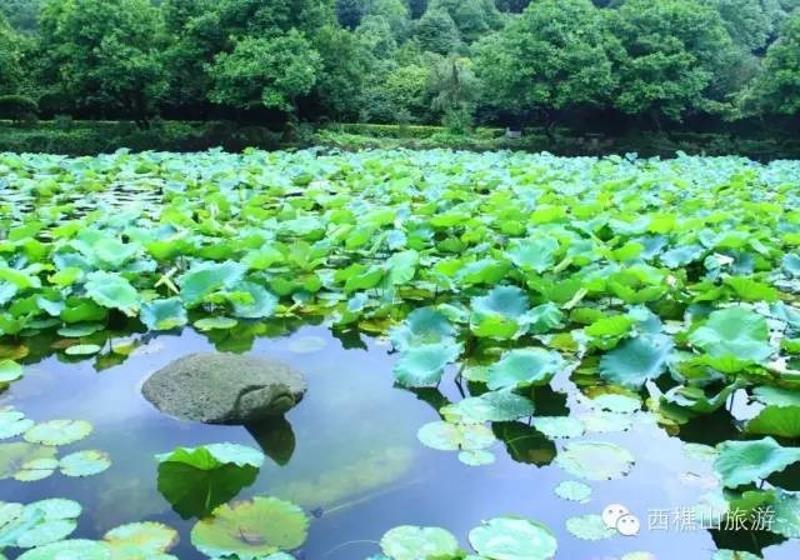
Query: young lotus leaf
476,458
494,406
205,278
744,462
111,290
418,543
524,368
574,491
58,432
250,530
76,549
215,323
84,463
512,538
559,426
445,436
594,460
637,360
13,423
82,350
164,314
733,338
14,456
141,540
500,313
589,528
423,366
422,326
9,371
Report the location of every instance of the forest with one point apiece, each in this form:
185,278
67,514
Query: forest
604,65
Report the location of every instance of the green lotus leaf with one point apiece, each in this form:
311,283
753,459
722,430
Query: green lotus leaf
594,460
748,289
538,255
744,462
777,396
786,521
696,400
574,491
589,528
683,255
614,326
494,406
13,423
251,529
263,302
418,543
637,360
524,443
80,330
499,314
726,554
205,278
111,290
423,365
47,532
40,523
9,371
559,426
422,326
13,456
445,436
140,540
77,549
85,463
58,432
603,421
622,404
781,421
735,334
401,268
791,265
215,323
164,314
214,455
476,458
37,469
82,350
512,538
543,318
524,368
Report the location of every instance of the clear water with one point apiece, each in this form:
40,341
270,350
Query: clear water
350,456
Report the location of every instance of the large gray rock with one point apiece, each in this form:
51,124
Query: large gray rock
224,388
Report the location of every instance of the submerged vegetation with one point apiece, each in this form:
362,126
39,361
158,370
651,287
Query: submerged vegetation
662,292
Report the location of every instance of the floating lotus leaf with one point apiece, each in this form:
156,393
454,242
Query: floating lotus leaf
13,423
252,529
524,443
733,338
726,554
141,540
80,330
422,326
602,421
39,523
574,491
111,290
616,403
9,371
307,344
205,278
636,360
445,436
13,456
47,532
559,426
594,460
77,549
37,469
511,538
744,462
422,366
164,314
476,458
82,350
524,368
215,323
494,406
85,463
418,543
58,432
589,528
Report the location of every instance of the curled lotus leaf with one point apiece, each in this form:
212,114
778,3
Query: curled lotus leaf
513,538
744,462
445,436
595,460
111,290
418,543
250,530
58,432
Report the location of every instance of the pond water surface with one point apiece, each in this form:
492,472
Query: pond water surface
349,455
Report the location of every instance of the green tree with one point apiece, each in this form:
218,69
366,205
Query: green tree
437,32
349,13
474,18
777,88
673,51
455,91
22,15
104,55
11,70
747,21
417,7
512,6
556,55
345,62
394,12
269,72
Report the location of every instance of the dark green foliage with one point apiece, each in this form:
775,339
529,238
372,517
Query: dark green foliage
349,13
513,6
417,7
21,14
777,89
18,107
437,32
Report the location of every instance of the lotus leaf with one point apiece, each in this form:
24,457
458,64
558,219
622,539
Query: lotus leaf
422,366
589,528
58,432
14,456
494,406
9,371
418,543
574,491
559,426
77,549
13,423
593,460
164,314
743,462
525,367
111,290
636,360
733,338
511,538
140,540
445,436
85,463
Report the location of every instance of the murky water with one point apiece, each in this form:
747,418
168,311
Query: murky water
349,455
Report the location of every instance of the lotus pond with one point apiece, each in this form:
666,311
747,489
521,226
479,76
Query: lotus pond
509,356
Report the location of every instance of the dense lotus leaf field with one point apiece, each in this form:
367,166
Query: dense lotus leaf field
662,291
